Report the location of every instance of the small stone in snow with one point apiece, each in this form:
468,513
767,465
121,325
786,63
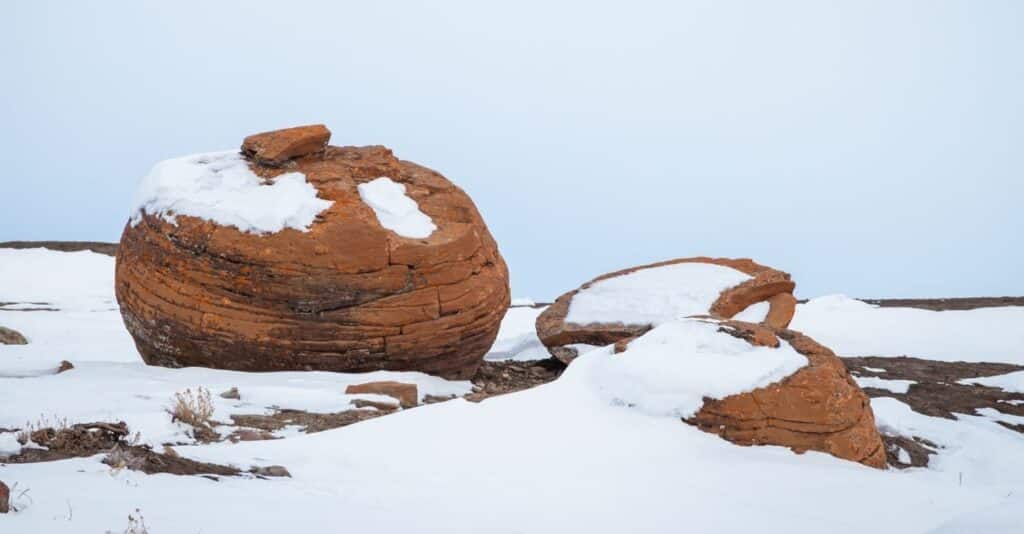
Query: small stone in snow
5,498
11,337
271,471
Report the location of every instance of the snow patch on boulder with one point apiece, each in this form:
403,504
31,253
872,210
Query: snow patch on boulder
395,210
653,295
220,187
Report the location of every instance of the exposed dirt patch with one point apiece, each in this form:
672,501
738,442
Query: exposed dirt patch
138,458
85,439
918,451
937,391
499,378
35,306
89,439
108,249
309,422
965,303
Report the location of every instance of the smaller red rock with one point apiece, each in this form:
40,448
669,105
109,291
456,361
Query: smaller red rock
276,147
407,394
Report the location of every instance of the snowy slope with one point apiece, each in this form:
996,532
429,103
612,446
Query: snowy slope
854,328
563,457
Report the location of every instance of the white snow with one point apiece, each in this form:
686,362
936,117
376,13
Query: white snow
395,210
220,187
755,313
653,295
895,386
569,456
976,452
854,328
9,443
903,457
40,278
522,301
1012,382
517,338
671,369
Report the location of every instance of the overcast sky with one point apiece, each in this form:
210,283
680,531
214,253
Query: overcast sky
869,148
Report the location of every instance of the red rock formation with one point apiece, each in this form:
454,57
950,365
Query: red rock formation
818,408
5,498
767,284
347,295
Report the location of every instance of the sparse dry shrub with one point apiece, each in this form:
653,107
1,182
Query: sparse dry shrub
136,524
25,435
193,408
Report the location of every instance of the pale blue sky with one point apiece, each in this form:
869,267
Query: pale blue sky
869,148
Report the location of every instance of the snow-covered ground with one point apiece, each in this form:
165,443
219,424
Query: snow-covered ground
589,452
854,328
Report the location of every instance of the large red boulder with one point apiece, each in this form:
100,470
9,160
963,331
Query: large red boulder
383,264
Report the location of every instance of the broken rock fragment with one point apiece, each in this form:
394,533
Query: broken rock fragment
406,394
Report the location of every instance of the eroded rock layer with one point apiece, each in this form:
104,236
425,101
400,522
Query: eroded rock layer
346,295
765,284
818,408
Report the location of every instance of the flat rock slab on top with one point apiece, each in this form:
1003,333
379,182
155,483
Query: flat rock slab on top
341,294
277,147
754,283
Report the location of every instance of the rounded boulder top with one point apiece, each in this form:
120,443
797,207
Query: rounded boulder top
292,254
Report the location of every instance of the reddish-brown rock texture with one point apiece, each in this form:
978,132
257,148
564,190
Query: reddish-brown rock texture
346,295
818,408
5,498
766,284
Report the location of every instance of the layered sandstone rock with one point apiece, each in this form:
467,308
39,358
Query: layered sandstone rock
342,293
818,408
761,284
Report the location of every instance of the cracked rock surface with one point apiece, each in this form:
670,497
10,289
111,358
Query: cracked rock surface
818,408
347,295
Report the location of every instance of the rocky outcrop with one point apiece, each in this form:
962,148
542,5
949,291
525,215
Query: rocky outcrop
765,284
818,408
346,295
11,337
